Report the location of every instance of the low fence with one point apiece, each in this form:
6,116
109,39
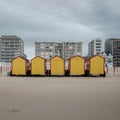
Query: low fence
4,68
112,70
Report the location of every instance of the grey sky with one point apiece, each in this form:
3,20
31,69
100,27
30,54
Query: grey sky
59,20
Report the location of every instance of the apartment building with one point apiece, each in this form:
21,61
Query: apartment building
72,48
95,47
10,47
112,45
63,49
48,49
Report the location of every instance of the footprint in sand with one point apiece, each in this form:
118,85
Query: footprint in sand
13,109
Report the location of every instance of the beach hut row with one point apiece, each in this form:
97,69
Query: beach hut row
77,66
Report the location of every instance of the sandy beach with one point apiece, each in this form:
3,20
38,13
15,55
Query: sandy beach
60,98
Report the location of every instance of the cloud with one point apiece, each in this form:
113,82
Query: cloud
60,20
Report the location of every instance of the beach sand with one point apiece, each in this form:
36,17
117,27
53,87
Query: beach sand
60,98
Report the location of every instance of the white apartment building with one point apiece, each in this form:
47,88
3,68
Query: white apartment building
10,47
63,49
108,59
95,47
72,48
48,49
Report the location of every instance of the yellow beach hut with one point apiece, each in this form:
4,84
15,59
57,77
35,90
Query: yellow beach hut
77,66
57,66
20,66
38,66
97,65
